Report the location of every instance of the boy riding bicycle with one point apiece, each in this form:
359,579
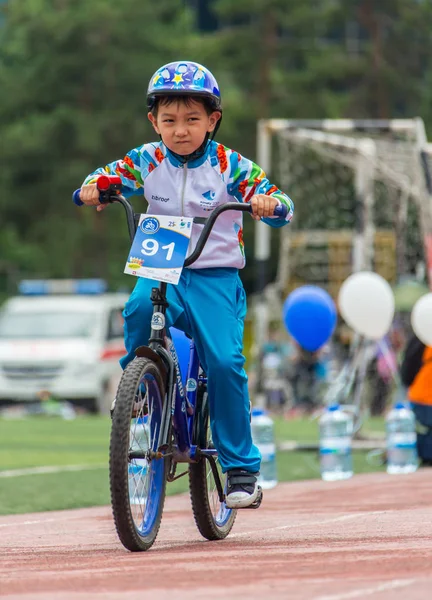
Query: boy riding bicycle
189,174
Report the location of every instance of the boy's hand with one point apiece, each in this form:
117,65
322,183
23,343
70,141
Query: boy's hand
263,206
90,196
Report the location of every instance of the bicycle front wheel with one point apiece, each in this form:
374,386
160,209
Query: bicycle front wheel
138,484
212,517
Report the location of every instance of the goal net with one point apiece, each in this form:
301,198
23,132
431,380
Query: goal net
363,201
362,197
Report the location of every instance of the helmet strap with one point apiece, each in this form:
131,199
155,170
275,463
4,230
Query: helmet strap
185,158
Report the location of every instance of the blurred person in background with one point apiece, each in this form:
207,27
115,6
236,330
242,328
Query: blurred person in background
416,375
276,363
309,373
382,369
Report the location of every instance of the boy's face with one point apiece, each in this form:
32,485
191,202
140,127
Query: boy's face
183,126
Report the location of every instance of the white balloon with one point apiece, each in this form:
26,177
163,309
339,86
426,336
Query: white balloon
366,302
421,319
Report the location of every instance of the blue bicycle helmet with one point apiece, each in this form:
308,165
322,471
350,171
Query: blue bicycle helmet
186,78
183,78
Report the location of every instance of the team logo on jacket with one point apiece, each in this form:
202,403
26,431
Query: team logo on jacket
149,225
208,201
210,195
159,198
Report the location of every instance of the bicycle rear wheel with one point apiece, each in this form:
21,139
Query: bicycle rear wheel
138,485
212,517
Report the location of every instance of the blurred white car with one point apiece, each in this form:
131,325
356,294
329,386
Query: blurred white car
64,337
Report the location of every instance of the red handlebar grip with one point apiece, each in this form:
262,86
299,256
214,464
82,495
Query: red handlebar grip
104,182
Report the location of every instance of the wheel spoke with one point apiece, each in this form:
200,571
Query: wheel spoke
141,480
213,519
137,484
217,508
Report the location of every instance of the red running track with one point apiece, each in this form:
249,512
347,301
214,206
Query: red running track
369,538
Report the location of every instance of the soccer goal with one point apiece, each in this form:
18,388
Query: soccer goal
362,191
363,198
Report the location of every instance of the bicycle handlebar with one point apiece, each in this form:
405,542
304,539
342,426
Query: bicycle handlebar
110,187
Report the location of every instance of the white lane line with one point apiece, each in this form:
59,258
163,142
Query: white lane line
175,543
383,587
53,469
38,522
307,523
255,532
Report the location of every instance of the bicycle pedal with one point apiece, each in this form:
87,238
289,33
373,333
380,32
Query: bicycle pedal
258,500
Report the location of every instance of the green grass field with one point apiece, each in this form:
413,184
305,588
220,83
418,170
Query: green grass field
42,441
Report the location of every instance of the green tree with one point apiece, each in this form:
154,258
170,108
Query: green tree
396,54
286,61
73,76
326,58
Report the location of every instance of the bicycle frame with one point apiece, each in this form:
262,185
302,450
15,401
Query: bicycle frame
179,410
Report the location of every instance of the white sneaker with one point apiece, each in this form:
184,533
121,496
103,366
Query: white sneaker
242,488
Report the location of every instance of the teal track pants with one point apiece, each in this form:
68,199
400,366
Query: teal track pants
210,306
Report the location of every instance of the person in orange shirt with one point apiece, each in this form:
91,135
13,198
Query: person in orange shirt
416,375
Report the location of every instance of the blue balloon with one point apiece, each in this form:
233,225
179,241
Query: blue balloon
309,314
182,346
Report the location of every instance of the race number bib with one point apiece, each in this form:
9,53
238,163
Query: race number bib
159,247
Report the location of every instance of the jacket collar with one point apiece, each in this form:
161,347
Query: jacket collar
192,164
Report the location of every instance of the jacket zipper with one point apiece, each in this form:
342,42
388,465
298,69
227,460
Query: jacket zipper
183,189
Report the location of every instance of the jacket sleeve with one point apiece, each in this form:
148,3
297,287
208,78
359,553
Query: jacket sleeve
132,170
245,179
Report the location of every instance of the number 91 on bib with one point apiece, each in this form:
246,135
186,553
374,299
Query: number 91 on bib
159,247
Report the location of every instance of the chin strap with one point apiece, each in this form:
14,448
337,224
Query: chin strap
184,158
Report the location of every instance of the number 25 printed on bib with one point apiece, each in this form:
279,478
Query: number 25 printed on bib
159,247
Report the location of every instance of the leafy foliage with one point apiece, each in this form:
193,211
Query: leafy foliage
73,77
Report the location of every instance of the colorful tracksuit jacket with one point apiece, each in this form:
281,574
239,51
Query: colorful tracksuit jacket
195,189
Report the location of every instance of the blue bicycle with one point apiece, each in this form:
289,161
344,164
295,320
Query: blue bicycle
151,399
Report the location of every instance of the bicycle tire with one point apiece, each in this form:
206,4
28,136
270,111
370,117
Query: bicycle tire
213,519
140,375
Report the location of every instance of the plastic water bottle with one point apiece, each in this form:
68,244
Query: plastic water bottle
263,437
401,440
137,468
335,432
